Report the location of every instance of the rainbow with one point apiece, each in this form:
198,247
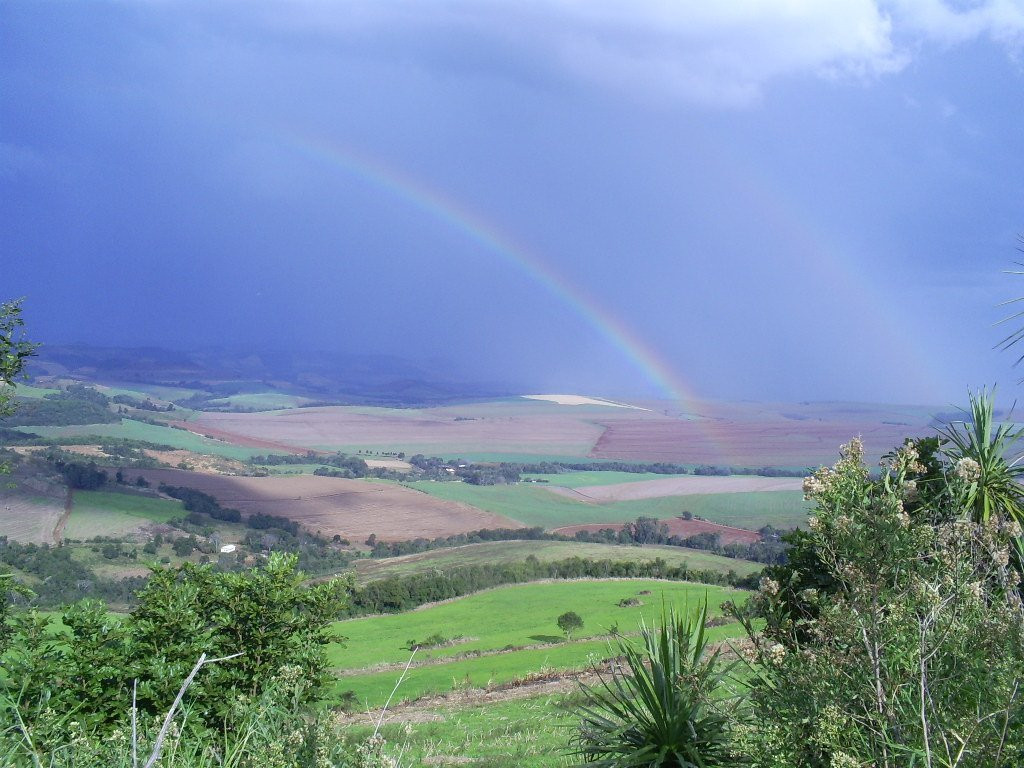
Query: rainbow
485,234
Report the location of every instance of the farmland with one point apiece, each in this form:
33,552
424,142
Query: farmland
685,485
516,551
101,513
537,505
519,636
353,509
751,435
133,429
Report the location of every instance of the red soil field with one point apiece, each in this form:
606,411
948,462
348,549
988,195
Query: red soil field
523,431
679,527
248,441
332,505
679,486
743,443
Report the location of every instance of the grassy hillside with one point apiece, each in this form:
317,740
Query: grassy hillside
513,628
536,505
106,513
521,733
140,430
517,551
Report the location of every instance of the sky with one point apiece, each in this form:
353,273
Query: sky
756,199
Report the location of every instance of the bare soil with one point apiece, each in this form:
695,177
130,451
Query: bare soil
302,427
205,428
753,443
354,509
679,486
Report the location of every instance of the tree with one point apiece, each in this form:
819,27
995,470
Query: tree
14,353
570,622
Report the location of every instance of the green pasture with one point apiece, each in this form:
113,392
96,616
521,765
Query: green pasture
755,509
521,733
536,505
372,689
140,430
587,478
27,390
142,391
497,552
496,457
105,513
497,619
262,401
494,451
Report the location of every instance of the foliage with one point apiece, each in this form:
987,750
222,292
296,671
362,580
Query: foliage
914,655
273,730
978,450
14,354
89,667
569,622
667,709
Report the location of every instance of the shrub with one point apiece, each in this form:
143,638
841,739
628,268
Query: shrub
914,653
666,708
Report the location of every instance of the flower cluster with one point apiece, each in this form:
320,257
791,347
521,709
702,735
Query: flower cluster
967,469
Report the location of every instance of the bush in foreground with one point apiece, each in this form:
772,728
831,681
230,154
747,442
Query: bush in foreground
914,653
664,707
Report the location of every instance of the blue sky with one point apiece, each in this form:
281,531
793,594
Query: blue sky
758,200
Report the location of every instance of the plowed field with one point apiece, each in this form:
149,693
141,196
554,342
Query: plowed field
678,486
331,505
536,430
752,444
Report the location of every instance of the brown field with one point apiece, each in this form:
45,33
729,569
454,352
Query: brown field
746,443
33,509
739,434
678,486
29,520
525,430
236,438
679,527
332,505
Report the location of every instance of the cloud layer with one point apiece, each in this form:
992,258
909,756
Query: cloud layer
715,54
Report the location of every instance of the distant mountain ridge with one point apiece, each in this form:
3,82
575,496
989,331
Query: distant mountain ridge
328,376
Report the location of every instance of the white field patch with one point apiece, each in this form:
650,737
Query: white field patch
582,400
679,486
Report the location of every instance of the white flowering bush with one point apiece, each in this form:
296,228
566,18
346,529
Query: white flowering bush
913,651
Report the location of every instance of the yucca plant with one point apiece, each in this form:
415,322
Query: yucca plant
664,706
980,451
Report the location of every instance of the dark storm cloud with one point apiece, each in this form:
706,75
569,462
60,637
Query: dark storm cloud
777,199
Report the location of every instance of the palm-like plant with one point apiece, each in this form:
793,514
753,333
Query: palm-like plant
979,450
661,709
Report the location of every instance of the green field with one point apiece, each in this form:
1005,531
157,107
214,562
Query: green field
26,390
494,552
140,430
142,391
535,505
583,479
262,401
499,619
105,513
523,733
